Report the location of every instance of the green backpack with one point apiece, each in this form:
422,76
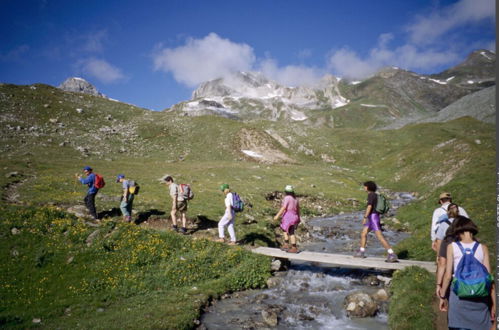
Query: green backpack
383,205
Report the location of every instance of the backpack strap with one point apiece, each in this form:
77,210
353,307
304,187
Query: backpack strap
475,247
460,247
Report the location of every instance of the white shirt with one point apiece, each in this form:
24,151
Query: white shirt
439,211
229,202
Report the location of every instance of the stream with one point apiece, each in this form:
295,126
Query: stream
311,295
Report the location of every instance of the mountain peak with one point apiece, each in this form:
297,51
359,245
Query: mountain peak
79,85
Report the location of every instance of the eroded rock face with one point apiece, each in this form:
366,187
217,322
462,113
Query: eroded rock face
79,85
360,304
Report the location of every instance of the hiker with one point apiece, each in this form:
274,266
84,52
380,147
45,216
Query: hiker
179,204
91,192
472,312
126,198
290,212
444,237
371,222
441,212
228,218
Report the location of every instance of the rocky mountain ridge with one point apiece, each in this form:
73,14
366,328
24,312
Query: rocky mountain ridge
248,95
385,98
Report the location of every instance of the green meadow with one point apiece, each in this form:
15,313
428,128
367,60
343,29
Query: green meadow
60,272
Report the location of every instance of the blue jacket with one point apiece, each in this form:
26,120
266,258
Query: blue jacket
89,181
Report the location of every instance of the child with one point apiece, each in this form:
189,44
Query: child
290,212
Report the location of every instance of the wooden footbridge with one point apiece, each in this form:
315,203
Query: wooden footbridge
345,260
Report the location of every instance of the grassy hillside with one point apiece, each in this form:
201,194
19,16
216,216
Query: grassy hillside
45,140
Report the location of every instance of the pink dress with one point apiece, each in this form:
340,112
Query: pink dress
291,216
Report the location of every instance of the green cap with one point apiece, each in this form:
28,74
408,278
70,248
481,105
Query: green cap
289,188
224,186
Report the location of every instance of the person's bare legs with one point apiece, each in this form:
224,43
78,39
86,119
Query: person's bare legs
363,236
173,214
382,239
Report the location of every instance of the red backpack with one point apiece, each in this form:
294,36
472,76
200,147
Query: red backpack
99,181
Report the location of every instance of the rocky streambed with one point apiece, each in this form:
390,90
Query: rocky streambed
315,296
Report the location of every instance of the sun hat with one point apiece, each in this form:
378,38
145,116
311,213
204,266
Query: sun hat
120,176
444,195
224,186
289,188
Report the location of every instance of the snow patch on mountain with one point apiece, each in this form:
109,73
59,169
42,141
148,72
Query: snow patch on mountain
252,95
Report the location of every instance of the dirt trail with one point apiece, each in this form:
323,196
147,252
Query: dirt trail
10,190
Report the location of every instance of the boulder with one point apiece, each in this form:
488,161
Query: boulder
270,318
360,304
380,295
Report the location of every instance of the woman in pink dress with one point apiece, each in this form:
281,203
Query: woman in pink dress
290,212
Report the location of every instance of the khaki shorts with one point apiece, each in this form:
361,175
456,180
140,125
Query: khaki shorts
182,206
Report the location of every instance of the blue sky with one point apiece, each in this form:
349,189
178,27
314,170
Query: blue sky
154,53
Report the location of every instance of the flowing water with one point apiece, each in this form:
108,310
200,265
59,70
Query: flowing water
311,296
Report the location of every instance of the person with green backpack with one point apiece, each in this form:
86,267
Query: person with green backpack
377,204
471,303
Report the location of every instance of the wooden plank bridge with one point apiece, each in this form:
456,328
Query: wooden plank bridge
345,260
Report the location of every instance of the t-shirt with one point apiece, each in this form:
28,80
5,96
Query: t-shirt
228,200
442,227
439,211
125,184
175,191
372,199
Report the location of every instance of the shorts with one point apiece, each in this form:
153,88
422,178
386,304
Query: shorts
182,206
373,222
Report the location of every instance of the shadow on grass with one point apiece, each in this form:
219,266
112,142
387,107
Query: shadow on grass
251,238
114,212
144,216
203,223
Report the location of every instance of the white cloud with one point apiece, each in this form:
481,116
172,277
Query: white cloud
291,75
94,42
204,59
346,63
101,70
425,48
426,29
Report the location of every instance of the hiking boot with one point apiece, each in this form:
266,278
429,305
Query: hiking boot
293,249
183,231
285,247
220,240
175,228
392,257
359,254
232,243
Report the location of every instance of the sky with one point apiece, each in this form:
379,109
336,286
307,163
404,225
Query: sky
154,53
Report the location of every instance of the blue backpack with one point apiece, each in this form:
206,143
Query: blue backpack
237,203
471,279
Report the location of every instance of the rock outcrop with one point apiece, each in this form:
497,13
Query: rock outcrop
79,85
